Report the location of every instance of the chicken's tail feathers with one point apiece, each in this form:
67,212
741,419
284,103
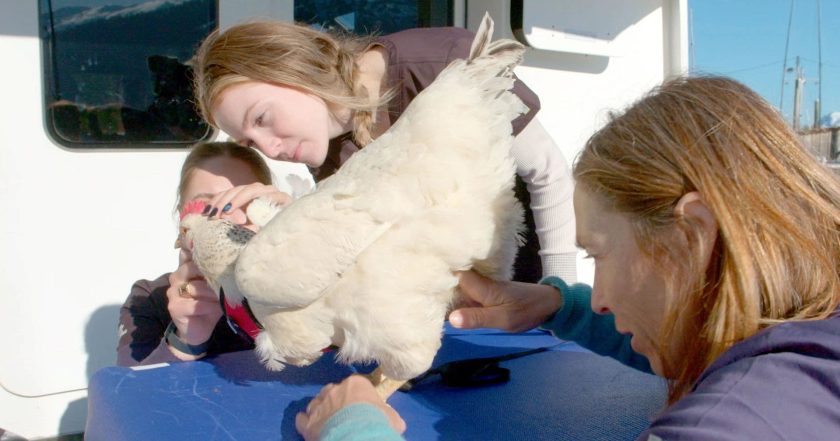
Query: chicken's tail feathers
482,37
508,53
489,68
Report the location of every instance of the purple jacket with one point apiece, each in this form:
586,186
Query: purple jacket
780,384
415,58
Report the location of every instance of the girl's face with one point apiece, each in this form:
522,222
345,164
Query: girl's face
284,123
214,176
626,282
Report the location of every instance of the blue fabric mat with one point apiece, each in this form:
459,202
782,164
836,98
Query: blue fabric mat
565,393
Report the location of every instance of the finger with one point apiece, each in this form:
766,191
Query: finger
221,201
359,382
197,290
463,302
280,198
397,422
249,193
239,196
461,319
184,255
202,308
236,216
188,308
201,290
190,271
315,400
474,286
182,274
302,424
481,317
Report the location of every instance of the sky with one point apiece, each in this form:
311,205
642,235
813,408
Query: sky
745,40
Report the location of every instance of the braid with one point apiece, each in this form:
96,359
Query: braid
363,118
363,122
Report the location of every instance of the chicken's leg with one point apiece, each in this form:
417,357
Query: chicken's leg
385,386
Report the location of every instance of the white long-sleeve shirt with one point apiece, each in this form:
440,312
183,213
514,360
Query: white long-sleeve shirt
540,163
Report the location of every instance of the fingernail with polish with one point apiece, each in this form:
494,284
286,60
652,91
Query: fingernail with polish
227,208
206,209
213,212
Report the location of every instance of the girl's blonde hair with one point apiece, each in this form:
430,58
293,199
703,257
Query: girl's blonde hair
204,151
776,256
291,55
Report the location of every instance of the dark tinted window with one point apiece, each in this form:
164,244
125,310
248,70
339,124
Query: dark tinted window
116,71
381,17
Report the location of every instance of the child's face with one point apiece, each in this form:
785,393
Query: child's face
215,176
284,123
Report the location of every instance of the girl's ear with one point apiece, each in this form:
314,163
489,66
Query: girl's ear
692,206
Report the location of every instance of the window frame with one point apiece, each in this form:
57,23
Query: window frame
49,76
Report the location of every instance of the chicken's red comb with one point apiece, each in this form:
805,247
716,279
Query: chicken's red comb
193,207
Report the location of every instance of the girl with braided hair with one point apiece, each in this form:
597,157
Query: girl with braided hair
313,97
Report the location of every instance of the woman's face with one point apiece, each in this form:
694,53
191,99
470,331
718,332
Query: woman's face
214,176
283,123
626,283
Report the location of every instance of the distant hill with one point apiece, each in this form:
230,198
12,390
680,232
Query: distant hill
175,23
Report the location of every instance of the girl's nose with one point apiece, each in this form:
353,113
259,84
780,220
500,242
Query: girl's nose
268,145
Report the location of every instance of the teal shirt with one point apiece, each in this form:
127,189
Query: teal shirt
575,321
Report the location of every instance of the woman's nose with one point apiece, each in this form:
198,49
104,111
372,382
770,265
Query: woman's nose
598,303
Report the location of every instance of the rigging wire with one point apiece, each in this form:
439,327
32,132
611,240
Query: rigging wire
819,56
758,66
784,65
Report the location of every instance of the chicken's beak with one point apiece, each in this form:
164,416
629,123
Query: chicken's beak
179,242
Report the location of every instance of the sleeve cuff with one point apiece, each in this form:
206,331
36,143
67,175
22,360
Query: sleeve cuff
563,265
566,308
360,421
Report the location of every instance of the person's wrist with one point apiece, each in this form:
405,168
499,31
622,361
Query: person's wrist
187,348
552,300
195,335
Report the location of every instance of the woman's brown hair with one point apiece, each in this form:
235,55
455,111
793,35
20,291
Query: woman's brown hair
776,255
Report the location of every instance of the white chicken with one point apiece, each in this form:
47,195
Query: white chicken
367,262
